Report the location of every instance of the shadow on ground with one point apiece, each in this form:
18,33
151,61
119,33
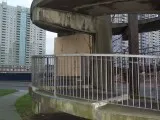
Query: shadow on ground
56,116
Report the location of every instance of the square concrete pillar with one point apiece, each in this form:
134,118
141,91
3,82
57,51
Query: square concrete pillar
102,65
133,49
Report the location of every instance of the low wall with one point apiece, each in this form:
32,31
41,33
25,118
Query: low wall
44,102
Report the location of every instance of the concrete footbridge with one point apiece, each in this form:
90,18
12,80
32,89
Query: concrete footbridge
69,16
84,78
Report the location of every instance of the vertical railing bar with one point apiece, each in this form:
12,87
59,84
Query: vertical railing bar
127,76
76,76
97,67
71,83
116,58
157,90
138,66
92,77
80,76
106,77
33,71
70,77
47,73
55,75
111,78
122,81
144,82
88,77
73,76
38,73
43,74
84,77
52,71
37,85
63,85
66,69
133,82
101,78
60,77
150,78
45,86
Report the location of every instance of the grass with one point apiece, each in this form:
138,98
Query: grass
24,107
4,92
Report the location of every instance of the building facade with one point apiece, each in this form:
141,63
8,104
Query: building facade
19,38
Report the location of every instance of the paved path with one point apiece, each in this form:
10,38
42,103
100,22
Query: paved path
7,106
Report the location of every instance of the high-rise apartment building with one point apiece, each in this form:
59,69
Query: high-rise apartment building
19,38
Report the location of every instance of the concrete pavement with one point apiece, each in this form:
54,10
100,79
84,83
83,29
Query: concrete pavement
7,106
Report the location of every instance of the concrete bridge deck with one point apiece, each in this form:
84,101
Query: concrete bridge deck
80,16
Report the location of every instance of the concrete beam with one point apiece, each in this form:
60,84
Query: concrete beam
55,20
147,25
99,8
61,21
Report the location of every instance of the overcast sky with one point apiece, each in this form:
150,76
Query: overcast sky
49,37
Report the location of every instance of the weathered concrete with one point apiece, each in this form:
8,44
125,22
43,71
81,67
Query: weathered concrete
103,45
97,8
103,41
45,102
67,22
63,20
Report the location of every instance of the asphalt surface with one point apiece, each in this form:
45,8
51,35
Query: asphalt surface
14,85
7,106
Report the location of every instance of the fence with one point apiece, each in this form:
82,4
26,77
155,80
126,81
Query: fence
128,80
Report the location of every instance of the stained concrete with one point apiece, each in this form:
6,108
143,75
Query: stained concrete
47,103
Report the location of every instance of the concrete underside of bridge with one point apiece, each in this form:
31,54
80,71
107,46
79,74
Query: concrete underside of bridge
45,103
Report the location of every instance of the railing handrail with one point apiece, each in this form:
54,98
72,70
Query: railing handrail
97,55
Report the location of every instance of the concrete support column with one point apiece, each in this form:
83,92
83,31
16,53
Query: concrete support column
103,38
103,45
133,49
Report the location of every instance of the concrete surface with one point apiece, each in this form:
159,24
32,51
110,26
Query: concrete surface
7,106
14,85
97,8
47,103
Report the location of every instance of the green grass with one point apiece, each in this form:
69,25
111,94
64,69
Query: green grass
24,107
4,92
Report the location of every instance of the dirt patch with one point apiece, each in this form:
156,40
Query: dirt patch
56,116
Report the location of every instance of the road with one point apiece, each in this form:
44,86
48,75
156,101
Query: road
14,85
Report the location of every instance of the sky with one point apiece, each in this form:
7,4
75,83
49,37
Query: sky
49,35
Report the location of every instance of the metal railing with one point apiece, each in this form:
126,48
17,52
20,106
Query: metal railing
128,80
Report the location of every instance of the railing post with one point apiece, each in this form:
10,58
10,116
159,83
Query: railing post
55,74
32,70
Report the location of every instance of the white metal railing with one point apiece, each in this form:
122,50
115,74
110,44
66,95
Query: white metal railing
128,80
